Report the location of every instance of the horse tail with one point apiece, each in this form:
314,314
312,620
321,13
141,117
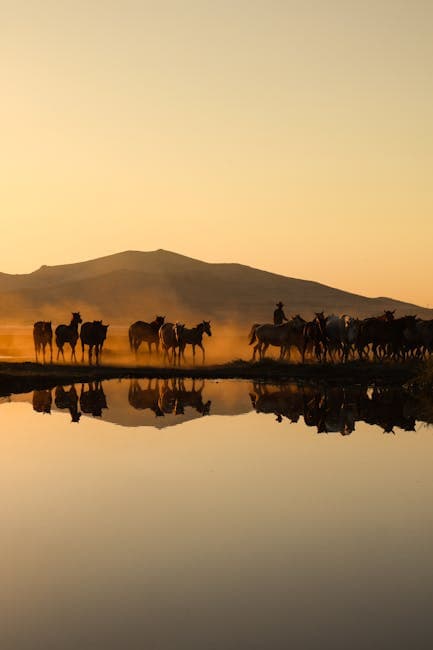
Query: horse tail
131,340
252,334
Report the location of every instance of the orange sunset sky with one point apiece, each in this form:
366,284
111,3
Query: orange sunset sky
292,136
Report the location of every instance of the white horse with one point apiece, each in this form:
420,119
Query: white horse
268,334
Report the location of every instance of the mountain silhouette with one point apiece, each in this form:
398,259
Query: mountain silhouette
135,285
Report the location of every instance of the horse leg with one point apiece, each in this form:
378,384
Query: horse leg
82,352
200,345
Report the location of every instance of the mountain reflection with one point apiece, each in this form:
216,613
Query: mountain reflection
161,403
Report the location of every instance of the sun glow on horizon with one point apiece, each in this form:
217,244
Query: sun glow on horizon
293,139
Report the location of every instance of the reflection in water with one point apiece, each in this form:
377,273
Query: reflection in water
145,398
42,401
336,408
225,532
68,399
168,397
93,400
328,409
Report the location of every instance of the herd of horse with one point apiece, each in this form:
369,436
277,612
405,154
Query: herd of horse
345,337
324,338
92,334
172,337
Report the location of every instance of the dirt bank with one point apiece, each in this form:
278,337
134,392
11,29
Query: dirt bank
18,377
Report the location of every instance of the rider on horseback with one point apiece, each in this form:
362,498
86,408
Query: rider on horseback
279,315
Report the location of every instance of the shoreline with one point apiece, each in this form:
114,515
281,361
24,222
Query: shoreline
22,377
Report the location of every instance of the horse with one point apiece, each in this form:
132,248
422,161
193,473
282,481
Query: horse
295,335
375,331
335,331
312,340
169,334
268,334
93,335
148,332
68,334
192,336
43,336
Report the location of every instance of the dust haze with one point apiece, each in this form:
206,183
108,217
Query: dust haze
228,342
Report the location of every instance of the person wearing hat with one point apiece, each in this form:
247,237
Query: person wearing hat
279,315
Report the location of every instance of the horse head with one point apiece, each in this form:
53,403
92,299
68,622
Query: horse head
76,318
206,327
104,329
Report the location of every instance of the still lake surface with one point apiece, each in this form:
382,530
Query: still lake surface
220,515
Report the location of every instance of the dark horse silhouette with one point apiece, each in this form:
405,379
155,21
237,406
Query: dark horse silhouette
140,332
42,400
43,336
93,400
68,399
93,335
68,334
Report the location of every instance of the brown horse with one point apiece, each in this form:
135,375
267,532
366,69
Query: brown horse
192,336
93,335
68,334
141,331
169,336
43,336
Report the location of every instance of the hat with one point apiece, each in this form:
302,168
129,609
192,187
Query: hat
280,304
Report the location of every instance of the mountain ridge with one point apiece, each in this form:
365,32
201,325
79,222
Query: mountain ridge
133,285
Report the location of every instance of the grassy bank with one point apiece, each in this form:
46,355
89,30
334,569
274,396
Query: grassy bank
23,377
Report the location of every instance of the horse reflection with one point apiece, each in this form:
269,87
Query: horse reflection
389,407
145,398
93,400
42,401
336,409
175,397
68,399
284,401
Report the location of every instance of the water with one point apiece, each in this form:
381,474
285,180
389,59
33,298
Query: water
169,529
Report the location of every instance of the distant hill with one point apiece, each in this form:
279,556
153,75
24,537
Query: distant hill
135,285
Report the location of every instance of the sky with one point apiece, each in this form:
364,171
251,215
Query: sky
295,137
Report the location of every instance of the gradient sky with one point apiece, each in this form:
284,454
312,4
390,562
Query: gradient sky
291,136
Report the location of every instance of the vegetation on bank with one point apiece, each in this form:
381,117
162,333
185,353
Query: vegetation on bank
22,377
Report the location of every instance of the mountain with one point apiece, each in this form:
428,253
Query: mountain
135,285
